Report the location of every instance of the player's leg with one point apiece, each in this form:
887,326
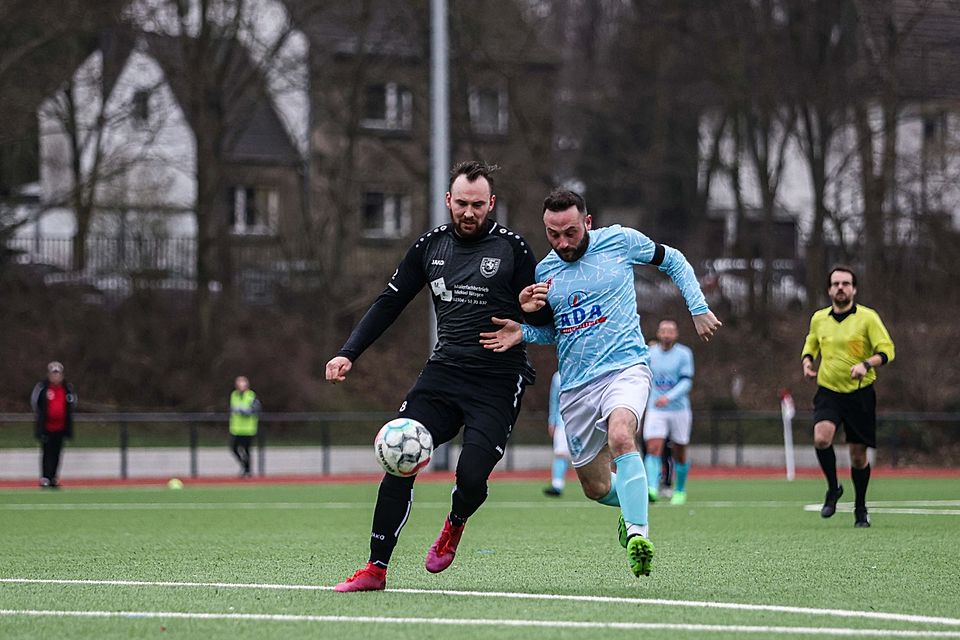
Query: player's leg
681,424
425,402
860,423
488,419
561,462
245,443
653,442
622,404
826,416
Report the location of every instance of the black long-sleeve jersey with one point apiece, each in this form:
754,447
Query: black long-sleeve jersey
470,281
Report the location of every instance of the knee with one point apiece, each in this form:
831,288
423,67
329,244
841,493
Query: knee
858,459
823,434
621,441
397,487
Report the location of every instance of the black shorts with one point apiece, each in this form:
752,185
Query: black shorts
855,412
446,398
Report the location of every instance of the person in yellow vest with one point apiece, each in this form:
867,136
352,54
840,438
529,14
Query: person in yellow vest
244,416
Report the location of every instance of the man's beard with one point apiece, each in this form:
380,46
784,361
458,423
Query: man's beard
577,253
475,231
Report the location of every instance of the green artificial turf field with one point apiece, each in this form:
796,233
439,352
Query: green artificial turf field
258,562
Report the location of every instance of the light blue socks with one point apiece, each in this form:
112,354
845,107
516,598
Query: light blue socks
558,472
631,485
681,469
611,499
653,464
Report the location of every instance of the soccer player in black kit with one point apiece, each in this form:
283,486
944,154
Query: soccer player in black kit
475,269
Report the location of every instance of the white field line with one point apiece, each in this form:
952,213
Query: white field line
205,506
485,622
838,613
877,507
848,508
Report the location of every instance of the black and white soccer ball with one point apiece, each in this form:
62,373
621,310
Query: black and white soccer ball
403,447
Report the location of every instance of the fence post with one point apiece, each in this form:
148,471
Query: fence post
124,443
194,437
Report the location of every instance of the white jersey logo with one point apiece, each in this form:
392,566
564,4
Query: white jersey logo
439,288
489,267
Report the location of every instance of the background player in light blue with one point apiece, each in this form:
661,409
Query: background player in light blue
561,452
668,410
587,282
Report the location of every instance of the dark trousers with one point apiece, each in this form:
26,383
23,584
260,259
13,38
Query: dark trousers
241,449
52,447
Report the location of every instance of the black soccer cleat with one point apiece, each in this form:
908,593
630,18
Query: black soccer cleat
830,502
552,491
861,519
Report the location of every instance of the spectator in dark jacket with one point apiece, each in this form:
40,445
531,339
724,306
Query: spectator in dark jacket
53,403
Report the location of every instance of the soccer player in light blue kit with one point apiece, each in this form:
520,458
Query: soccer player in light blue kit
587,282
668,410
561,451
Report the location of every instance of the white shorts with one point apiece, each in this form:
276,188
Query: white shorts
585,409
673,424
560,447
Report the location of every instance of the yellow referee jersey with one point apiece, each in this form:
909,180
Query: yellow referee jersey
842,344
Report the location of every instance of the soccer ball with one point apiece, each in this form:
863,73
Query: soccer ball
403,447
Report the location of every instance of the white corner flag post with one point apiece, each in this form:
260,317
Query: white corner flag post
787,411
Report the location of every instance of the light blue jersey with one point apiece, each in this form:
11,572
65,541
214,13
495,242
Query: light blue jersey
672,377
596,327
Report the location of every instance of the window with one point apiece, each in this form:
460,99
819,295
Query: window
253,210
386,215
388,106
489,110
140,107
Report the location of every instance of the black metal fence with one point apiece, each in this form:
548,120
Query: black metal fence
904,439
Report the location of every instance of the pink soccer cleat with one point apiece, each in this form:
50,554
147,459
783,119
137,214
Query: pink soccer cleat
441,553
369,578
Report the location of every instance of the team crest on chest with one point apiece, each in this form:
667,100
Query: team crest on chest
489,267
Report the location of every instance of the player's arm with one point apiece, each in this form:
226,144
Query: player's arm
532,295
643,250
406,283
883,349
811,349
684,381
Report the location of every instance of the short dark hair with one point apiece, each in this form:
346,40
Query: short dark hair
473,169
845,269
563,199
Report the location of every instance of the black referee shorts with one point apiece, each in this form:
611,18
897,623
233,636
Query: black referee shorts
855,412
446,398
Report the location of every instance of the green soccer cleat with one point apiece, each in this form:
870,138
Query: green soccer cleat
652,493
640,555
622,530
679,497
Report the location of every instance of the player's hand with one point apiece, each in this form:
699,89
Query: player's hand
707,325
662,401
506,338
551,429
338,368
858,371
534,297
808,370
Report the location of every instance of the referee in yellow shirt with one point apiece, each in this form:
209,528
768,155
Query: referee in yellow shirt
852,342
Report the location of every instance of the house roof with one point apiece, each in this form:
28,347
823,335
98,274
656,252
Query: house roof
254,132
